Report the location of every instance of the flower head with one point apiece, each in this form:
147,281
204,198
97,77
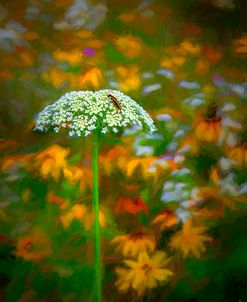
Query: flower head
191,240
144,273
133,244
82,112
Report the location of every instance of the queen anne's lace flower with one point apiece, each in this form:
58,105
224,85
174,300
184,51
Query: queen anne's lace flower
82,112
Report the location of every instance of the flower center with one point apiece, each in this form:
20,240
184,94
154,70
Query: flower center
146,268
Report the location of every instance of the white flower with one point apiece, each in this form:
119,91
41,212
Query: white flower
84,111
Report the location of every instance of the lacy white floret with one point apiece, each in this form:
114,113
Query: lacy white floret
82,112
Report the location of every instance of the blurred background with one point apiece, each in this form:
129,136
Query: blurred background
181,191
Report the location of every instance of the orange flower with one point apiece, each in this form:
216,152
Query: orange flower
190,240
212,54
141,163
52,198
115,157
78,212
173,62
89,219
51,161
129,45
56,77
73,57
91,78
9,161
190,48
208,130
202,66
144,273
166,219
129,77
238,155
34,247
73,173
132,206
241,45
82,214
133,244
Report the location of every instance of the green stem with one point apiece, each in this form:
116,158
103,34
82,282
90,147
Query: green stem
97,241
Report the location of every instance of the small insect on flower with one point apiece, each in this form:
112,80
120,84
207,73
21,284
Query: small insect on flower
115,101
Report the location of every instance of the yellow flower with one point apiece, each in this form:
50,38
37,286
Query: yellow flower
129,45
34,247
202,66
51,161
82,214
132,245
144,273
129,77
208,130
89,220
238,155
56,77
73,173
91,78
172,62
10,160
78,212
143,163
190,240
73,57
191,48
166,219
241,45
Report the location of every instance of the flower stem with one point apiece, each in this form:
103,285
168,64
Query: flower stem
97,241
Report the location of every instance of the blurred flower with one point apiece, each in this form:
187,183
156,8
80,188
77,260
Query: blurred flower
208,130
141,164
88,220
51,161
239,89
144,273
172,63
132,206
166,72
73,57
82,14
116,157
202,66
238,155
150,88
92,78
133,244
52,198
189,85
129,77
84,111
56,77
165,219
34,247
78,211
229,187
129,45
224,4
73,173
12,36
196,100
190,48
88,52
212,54
241,45
163,117
9,161
190,240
